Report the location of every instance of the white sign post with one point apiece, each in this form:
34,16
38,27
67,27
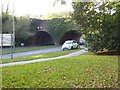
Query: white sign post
6,40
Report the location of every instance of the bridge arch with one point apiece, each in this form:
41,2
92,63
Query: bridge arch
71,35
43,38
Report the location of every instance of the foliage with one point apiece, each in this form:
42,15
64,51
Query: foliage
7,23
99,22
35,23
62,14
22,26
63,2
22,29
101,72
58,26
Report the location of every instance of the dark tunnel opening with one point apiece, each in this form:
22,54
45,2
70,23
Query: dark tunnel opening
43,38
71,35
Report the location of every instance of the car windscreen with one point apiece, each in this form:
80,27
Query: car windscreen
68,42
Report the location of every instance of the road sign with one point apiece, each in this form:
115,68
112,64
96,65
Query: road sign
6,40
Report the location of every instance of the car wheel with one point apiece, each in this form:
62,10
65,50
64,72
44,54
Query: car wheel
77,47
72,47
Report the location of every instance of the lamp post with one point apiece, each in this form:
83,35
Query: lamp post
13,29
39,28
13,34
1,30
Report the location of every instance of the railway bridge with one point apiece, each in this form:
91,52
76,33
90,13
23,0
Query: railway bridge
43,37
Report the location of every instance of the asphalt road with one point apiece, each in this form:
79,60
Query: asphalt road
28,53
44,59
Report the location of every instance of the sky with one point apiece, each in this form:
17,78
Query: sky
36,7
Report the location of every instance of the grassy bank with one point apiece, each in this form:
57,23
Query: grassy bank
84,71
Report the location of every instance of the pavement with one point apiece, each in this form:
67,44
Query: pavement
28,53
45,59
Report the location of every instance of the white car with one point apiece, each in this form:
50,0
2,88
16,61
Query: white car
70,44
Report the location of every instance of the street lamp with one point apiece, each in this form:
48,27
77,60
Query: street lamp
13,34
39,28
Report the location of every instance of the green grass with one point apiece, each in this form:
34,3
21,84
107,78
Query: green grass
24,49
89,53
39,56
84,71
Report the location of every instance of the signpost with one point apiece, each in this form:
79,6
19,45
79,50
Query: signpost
5,40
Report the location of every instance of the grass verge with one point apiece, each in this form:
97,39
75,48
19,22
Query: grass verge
39,56
84,71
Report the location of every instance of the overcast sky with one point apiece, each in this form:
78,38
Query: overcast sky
36,7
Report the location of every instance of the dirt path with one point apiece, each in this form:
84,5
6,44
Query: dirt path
44,59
